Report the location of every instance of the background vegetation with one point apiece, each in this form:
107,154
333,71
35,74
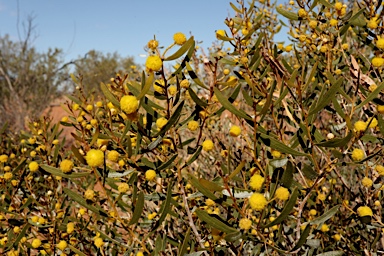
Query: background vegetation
258,148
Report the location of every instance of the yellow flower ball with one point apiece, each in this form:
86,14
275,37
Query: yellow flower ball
113,156
33,166
380,43
95,158
8,176
235,131
139,254
208,145
193,125
3,158
282,193
123,187
313,24
302,13
313,212
338,6
98,242
288,48
256,182
184,84
345,46
324,228
62,245
367,182
150,175
377,62
219,33
179,38
276,154
364,211
372,23
129,104
333,22
321,196
337,237
70,227
161,122
152,44
172,90
89,194
36,243
372,122
153,63
358,154
379,169
360,126
66,166
245,223
257,201
380,109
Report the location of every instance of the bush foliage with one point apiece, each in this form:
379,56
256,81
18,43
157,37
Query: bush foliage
258,148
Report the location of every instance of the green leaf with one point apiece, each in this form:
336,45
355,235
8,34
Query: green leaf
371,96
287,209
196,183
279,146
165,209
77,154
183,49
309,172
326,216
325,3
327,97
196,99
287,177
289,15
172,120
184,245
237,170
154,143
138,209
228,105
193,76
332,253
336,142
78,198
75,250
194,156
214,221
107,93
303,238
146,87
167,163
235,8
57,172
212,186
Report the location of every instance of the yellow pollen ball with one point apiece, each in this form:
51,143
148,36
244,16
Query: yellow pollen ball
377,62
364,211
179,38
98,242
367,182
66,166
153,63
193,125
95,158
161,122
33,166
150,175
380,169
62,245
256,182
245,224
282,194
113,156
358,154
257,201
380,43
235,131
302,13
208,145
123,187
129,104
36,243
360,126
89,194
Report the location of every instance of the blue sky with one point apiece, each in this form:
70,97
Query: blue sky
109,26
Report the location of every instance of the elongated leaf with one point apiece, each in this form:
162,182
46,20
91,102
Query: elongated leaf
196,183
212,186
228,105
75,250
193,76
138,209
279,146
183,49
286,211
326,216
172,120
372,95
148,84
287,177
155,143
19,236
167,163
237,170
194,156
327,97
196,99
58,172
336,142
185,244
107,93
77,154
309,172
303,238
235,8
332,253
289,15
78,198
215,222
164,209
